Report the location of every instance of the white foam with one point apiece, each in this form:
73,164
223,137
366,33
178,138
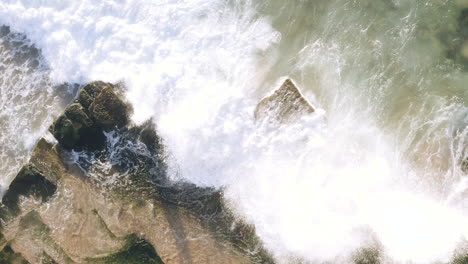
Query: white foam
312,189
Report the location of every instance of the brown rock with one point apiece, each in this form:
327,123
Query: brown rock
284,105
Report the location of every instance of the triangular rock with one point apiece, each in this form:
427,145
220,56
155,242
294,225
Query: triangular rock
285,104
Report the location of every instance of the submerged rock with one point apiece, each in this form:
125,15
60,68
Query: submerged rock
285,104
456,40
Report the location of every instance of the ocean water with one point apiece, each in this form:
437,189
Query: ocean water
378,165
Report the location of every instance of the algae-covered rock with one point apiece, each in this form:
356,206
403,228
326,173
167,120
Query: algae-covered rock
8,256
65,132
109,110
46,159
284,105
75,129
95,88
460,260
29,182
98,107
84,98
76,113
150,138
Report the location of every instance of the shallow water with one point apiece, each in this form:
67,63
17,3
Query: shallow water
379,162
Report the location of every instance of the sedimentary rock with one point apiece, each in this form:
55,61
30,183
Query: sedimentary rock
285,104
115,204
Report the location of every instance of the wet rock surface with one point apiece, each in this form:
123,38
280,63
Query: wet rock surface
285,104
109,110
30,182
98,108
101,195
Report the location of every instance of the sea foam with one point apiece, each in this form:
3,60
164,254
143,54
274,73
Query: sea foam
316,190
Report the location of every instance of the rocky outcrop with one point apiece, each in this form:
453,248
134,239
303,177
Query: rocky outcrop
110,200
285,104
109,110
98,108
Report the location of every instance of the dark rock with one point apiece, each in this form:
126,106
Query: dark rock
136,251
84,98
65,132
464,165
150,138
89,135
29,182
98,107
109,110
76,113
76,130
8,256
94,88
285,104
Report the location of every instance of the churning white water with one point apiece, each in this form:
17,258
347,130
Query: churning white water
378,165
